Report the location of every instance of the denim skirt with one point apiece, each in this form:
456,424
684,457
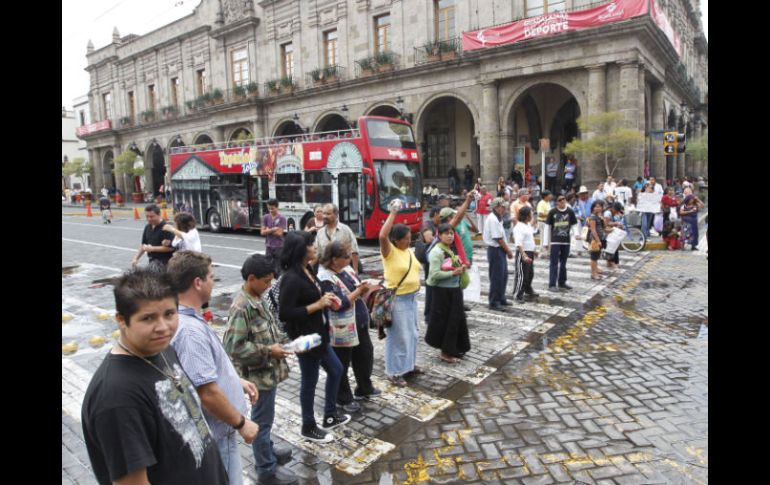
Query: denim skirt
401,338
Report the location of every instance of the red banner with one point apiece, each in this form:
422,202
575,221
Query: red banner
662,21
93,127
554,23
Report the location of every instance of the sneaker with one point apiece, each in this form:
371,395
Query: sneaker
282,455
553,288
351,407
565,286
375,392
534,294
331,422
495,306
520,299
317,435
506,303
282,476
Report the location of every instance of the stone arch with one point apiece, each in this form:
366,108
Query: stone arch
237,131
202,138
420,112
108,167
331,121
155,167
383,109
286,127
506,126
176,141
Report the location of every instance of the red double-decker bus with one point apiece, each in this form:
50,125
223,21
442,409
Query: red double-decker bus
360,170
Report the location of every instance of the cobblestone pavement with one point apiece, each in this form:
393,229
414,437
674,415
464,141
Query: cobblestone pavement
605,384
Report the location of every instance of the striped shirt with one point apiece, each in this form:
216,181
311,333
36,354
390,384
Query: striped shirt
204,360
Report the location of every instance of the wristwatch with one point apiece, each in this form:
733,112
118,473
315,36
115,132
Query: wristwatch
241,423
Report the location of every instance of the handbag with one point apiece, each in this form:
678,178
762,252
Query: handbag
383,303
450,263
595,245
343,331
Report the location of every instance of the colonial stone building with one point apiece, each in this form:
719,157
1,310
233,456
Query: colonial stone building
237,68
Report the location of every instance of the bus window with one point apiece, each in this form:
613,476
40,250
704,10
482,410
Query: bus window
318,187
288,187
384,133
398,180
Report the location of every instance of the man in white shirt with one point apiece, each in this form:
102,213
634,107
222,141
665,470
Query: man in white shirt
497,250
656,187
623,192
599,192
609,187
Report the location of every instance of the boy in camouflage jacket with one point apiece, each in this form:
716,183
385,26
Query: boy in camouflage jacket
253,340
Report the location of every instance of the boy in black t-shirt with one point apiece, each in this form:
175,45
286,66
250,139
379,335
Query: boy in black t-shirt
142,418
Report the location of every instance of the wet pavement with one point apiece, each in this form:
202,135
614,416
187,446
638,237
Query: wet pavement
605,384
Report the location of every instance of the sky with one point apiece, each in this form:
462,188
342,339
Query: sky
95,19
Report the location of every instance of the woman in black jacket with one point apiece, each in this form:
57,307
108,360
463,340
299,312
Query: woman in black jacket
303,307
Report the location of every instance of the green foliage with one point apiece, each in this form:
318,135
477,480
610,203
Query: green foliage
252,87
366,63
272,85
330,71
287,82
240,90
432,48
242,136
610,140
217,95
77,167
316,74
698,148
384,58
124,164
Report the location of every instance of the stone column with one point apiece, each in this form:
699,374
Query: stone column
490,135
99,178
633,117
592,171
657,157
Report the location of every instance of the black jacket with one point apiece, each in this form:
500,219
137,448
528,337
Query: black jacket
297,292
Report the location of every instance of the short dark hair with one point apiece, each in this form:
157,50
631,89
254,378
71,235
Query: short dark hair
445,227
295,248
545,193
273,202
184,221
399,231
185,266
138,286
434,211
334,250
595,203
152,208
257,265
525,214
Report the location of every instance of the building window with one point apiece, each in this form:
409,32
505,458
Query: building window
131,105
82,117
330,48
175,91
151,97
382,33
107,101
540,7
200,80
445,19
287,60
240,62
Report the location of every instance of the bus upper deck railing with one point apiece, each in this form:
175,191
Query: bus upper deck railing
272,140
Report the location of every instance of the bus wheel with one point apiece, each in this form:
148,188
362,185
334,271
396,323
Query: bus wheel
215,222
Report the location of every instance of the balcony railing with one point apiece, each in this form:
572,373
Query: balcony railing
436,51
325,75
284,85
382,62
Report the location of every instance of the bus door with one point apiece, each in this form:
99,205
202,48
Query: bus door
350,201
258,197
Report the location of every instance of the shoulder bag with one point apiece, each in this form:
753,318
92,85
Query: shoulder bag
384,301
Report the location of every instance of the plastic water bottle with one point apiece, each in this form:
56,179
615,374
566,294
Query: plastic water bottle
303,343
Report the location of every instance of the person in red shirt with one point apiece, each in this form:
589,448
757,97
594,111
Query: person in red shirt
668,203
482,206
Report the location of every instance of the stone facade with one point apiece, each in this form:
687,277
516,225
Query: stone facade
629,67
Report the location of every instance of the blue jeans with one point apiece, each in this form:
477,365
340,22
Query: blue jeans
498,275
309,365
263,413
647,218
693,222
559,255
231,459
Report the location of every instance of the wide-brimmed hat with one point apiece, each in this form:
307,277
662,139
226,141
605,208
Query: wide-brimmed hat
446,212
583,190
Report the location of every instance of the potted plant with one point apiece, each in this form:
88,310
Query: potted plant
287,84
124,165
317,75
126,122
272,87
217,96
148,116
252,88
385,61
331,73
433,51
169,112
367,66
448,50
240,92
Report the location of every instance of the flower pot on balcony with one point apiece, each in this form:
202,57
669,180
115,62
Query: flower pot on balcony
448,55
385,67
434,57
367,72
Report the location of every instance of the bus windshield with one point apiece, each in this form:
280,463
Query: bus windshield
398,180
384,133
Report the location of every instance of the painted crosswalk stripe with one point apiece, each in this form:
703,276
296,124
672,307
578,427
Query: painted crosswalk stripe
351,452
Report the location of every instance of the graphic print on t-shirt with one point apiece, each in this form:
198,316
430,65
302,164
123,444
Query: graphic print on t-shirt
178,408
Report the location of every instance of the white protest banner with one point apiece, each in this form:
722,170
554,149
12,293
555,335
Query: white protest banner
646,202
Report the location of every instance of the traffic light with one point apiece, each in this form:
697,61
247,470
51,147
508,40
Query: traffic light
681,145
669,143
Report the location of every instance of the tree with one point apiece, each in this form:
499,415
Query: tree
124,165
610,140
698,149
77,167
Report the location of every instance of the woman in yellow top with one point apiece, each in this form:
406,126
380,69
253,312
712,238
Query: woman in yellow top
403,334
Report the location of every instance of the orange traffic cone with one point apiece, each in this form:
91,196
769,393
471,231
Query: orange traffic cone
88,209
136,214
164,214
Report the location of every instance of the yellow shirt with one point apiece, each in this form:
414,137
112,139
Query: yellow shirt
395,266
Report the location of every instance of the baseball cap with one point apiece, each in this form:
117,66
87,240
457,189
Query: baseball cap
497,202
446,212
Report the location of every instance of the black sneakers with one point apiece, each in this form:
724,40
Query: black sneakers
316,434
331,422
565,286
375,392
